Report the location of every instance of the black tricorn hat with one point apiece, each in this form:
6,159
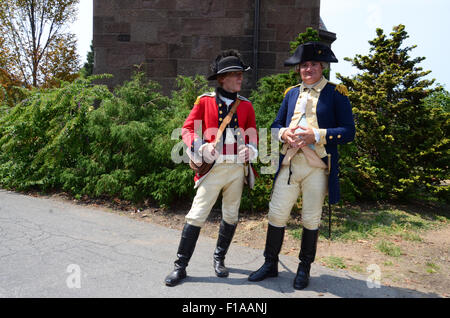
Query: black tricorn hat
311,51
227,64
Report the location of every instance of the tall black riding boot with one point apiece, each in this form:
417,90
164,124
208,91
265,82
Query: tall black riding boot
188,240
226,233
274,240
306,256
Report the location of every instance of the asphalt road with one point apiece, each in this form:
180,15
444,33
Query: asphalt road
54,248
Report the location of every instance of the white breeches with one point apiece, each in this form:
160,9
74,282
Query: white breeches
311,182
225,177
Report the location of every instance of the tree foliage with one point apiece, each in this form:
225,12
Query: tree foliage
439,99
88,67
401,145
9,91
35,41
309,35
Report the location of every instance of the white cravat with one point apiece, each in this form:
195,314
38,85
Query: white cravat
227,101
302,105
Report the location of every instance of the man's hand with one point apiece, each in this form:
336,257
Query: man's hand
244,153
307,137
209,153
291,137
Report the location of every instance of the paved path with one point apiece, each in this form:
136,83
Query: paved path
54,248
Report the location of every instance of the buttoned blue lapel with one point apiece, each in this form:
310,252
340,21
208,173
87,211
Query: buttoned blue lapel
291,105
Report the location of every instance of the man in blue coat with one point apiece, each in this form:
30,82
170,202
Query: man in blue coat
315,116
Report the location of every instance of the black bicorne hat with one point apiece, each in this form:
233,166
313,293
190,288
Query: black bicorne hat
311,51
227,64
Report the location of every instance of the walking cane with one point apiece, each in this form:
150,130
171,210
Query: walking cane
329,205
329,221
249,192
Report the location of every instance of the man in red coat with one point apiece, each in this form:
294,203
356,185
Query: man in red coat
239,145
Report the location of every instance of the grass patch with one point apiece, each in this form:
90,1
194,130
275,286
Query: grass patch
356,268
334,262
362,222
432,268
295,232
388,248
409,236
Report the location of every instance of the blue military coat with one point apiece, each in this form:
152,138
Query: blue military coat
334,113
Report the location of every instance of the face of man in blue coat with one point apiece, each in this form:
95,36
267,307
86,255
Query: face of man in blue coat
310,72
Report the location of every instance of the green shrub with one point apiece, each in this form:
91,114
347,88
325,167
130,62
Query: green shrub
55,139
45,134
131,142
401,149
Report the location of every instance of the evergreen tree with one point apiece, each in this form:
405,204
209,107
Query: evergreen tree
401,142
308,36
88,67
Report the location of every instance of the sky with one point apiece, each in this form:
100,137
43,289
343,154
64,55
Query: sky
355,22
427,23
83,28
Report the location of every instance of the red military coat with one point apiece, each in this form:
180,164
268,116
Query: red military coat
207,113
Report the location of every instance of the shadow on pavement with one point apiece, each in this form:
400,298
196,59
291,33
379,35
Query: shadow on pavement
333,286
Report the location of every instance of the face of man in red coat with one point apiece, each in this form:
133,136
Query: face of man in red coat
231,81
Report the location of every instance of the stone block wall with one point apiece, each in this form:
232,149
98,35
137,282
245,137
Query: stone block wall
167,38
